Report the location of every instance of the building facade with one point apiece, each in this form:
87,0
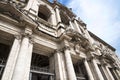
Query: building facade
43,40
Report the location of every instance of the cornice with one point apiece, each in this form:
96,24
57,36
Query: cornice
97,38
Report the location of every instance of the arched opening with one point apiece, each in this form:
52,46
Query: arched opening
64,18
44,13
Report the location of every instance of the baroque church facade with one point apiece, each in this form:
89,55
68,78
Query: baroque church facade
43,40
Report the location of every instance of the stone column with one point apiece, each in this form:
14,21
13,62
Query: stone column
22,67
118,72
28,60
88,70
57,14
69,65
71,25
106,75
109,73
77,26
58,66
115,74
8,71
100,77
63,66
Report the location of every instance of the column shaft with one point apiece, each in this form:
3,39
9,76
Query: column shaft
118,73
63,67
69,65
58,67
88,70
100,77
8,72
115,74
23,61
109,73
28,60
106,73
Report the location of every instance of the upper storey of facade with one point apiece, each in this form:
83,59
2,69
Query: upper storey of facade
53,21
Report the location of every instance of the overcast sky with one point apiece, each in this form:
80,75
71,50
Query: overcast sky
101,16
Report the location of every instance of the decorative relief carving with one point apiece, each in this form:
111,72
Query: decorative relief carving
78,48
81,43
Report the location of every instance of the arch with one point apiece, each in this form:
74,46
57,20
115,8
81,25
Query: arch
64,18
44,12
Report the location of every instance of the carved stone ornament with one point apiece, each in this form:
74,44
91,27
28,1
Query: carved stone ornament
80,39
78,48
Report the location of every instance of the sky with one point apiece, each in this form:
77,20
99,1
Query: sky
101,16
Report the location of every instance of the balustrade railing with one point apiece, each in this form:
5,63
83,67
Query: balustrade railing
35,68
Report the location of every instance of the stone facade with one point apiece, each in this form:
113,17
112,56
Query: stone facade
42,40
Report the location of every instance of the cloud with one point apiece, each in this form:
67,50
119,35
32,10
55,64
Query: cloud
102,18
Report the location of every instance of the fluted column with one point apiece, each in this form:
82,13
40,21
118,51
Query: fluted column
69,65
57,14
22,67
58,66
8,71
88,70
77,26
100,77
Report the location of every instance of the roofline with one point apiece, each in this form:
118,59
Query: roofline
99,39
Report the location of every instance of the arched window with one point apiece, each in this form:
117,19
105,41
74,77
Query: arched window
64,18
44,13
